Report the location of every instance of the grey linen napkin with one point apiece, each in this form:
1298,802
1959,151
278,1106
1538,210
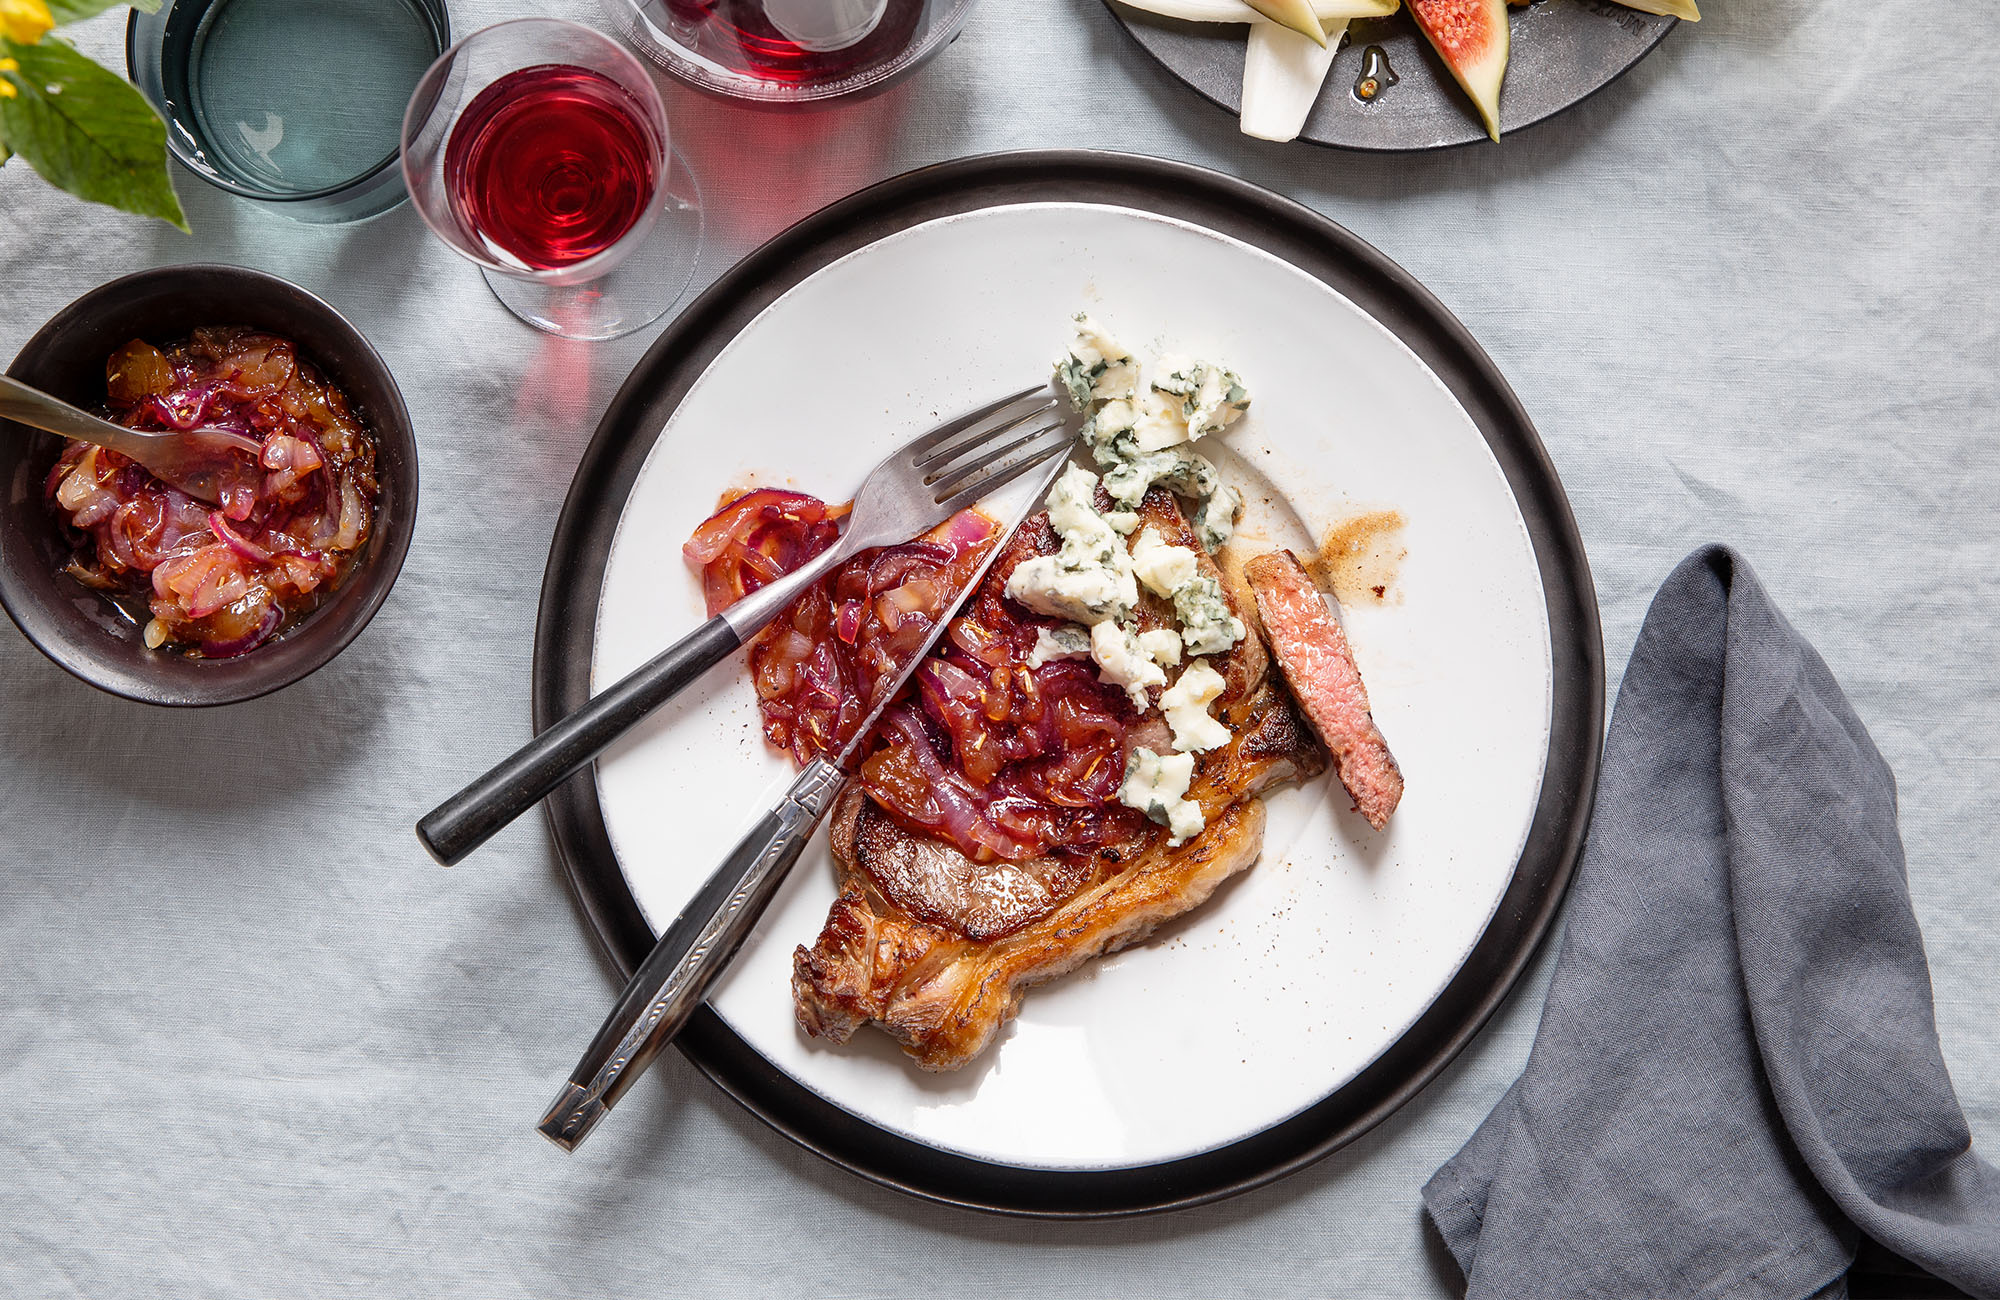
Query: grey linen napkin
1738,1064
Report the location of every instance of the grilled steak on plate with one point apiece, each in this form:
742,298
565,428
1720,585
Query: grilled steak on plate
939,949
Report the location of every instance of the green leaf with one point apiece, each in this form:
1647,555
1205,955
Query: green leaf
87,130
69,11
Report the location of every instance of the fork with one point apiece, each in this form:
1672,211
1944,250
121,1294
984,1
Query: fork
207,464
915,488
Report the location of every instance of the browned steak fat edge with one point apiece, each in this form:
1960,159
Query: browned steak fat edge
938,951
1312,652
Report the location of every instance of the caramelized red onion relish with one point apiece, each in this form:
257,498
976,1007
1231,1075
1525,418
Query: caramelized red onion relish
221,581
999,759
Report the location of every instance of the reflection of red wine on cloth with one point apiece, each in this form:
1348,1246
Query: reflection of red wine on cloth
751,36
550,165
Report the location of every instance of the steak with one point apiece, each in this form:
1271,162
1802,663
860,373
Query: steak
1312,652
938,949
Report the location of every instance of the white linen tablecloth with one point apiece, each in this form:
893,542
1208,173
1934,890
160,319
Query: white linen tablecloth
254,1043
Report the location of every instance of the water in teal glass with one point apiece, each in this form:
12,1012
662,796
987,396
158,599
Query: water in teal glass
298,96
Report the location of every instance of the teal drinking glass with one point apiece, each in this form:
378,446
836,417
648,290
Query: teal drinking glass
295,105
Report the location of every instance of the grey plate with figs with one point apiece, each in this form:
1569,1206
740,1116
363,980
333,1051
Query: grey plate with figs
1563,51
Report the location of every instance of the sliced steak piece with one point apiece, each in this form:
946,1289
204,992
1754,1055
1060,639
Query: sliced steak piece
939,950
1312,652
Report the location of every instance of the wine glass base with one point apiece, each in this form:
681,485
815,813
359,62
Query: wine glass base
644,286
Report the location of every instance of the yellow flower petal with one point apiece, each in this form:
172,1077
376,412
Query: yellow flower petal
25,21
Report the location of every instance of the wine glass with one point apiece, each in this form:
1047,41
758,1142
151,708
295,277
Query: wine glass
539,150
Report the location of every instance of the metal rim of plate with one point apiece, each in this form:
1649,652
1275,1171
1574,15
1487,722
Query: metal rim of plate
1561,53
566,626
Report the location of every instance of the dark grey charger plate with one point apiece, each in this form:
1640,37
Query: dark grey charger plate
566,627
1562,52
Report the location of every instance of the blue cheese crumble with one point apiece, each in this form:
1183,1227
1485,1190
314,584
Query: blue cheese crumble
1157,786
1123,661
1163,644
1185,474
1089,580
1095,368
1185,705
1162,423
1207,626
1211,397
1162,567
1139,441
1124,658
1065,642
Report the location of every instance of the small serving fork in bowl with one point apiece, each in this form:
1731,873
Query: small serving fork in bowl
207,464
915,488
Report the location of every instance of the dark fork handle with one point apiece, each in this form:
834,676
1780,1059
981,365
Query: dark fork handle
469,818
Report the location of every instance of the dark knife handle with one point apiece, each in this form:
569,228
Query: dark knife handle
671,983
471,817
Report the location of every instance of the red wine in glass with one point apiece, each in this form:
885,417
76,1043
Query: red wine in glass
795,42
550,165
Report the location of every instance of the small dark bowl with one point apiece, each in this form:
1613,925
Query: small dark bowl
82,630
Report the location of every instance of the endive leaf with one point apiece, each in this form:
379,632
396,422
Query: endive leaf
1236,11
1672,8
1295,14
1282,75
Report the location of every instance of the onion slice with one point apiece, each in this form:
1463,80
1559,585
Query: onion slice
1282,75
218,523
1236,11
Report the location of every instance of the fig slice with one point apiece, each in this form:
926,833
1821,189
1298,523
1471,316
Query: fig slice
1471,37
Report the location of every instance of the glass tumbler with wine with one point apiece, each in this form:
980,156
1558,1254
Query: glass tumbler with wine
539,150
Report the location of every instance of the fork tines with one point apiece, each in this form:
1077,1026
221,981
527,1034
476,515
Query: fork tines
973,426
1038,448
991,447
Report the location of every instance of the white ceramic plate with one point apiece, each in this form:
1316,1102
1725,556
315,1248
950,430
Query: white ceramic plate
1302,971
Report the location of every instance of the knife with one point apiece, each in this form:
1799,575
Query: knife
663,993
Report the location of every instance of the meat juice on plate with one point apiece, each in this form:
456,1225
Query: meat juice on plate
551,165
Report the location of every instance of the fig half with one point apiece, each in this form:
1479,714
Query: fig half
1471,37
